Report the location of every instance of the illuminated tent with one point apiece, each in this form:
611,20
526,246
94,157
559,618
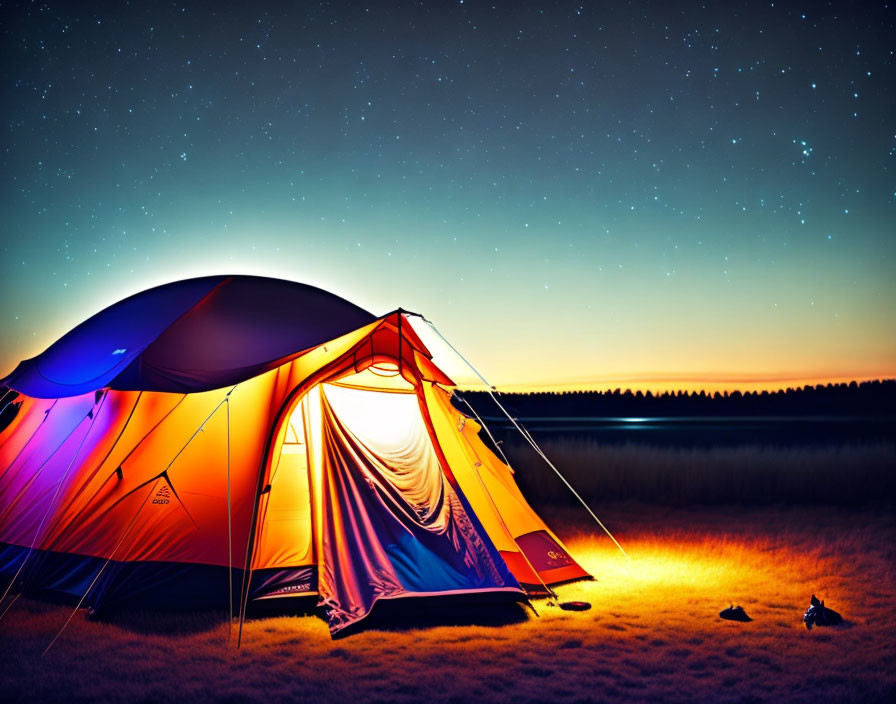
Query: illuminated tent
243,438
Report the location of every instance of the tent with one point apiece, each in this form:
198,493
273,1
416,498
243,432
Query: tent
239,438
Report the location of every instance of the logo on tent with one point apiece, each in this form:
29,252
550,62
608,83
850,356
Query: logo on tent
163,496
543,552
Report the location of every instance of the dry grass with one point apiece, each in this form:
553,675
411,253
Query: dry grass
652,635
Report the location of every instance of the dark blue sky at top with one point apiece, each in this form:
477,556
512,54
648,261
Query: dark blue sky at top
573,191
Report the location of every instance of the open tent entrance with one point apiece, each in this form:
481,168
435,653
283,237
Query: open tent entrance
358,507
363,504
385,419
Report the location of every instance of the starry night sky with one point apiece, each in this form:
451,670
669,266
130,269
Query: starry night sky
691,193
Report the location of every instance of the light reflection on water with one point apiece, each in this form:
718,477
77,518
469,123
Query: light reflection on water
676,432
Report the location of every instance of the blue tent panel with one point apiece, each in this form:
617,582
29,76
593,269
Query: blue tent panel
189,336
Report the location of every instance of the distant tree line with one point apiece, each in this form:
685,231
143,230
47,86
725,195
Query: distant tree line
868,398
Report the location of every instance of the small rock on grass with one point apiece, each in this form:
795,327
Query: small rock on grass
734,613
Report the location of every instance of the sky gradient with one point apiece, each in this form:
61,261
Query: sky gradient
662,194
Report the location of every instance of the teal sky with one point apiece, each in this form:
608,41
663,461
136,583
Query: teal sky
697,194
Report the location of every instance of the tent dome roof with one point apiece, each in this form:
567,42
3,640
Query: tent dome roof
187,336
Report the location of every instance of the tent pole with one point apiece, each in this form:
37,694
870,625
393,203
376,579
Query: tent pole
198,430
246,585
229,532
491,392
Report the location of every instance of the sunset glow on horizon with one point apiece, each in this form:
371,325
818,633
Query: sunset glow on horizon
648,197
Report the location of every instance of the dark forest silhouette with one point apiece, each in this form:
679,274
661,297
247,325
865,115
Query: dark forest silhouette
868,398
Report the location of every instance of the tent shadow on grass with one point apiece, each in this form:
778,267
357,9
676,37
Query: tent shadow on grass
163,620
157,621
409,613
394,615
413,614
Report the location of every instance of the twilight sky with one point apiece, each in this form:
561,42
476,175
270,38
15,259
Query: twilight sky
684,193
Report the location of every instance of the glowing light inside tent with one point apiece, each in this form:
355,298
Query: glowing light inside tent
383,418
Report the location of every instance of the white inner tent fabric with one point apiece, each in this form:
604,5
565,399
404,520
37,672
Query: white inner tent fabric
387,423
390,426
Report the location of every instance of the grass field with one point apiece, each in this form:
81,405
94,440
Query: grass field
747,474
653,633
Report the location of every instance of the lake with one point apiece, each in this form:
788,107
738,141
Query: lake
706,432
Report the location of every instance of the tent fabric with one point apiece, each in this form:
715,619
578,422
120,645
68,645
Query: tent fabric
304,478
392,526
189,336
96,351
489,485
169,585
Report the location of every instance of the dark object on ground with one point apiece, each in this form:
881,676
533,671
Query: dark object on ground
575,605
820,615
734,613
9,406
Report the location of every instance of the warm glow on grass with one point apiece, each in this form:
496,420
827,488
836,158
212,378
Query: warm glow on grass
661,572
652,634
